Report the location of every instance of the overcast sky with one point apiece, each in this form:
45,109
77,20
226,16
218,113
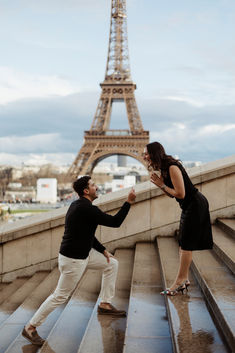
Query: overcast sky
53,56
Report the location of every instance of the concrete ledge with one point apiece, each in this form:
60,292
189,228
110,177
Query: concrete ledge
30,242
213,169
32,225
145,191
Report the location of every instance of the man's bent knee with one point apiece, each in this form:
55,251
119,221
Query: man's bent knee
113,262
60,298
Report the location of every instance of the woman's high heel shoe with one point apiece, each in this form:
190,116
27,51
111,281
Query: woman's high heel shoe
169,292
187,284
181,288
172,293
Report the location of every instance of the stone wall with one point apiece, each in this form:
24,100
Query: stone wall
32,244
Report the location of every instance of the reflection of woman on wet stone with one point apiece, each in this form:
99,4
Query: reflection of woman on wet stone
188,341
195,228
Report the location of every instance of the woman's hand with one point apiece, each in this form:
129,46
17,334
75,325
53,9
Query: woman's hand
155,179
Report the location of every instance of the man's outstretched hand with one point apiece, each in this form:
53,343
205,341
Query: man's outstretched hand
131,196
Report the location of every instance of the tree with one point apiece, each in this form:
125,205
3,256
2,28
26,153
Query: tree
5,179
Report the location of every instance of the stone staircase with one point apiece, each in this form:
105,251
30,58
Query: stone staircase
201,320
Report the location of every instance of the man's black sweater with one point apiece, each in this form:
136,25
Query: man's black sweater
81,222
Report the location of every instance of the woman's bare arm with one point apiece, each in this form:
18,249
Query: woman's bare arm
177,180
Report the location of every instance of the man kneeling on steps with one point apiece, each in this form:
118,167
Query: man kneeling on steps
80,250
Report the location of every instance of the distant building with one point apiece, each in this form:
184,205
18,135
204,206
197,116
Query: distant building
120,182
121,160
47,190
17,193
189,164
14,185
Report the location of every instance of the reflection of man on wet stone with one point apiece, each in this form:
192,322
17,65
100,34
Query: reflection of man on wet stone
80,250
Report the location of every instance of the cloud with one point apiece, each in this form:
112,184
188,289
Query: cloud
177,19
186,100
190,70
34,143
15,85
53,6
67,116
216,129
40,143
218,62
205,143
57,125
36,159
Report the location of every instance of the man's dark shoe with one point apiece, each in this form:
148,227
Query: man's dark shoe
30,348
112,311
34,338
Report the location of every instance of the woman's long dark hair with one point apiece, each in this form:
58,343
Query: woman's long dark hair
159,159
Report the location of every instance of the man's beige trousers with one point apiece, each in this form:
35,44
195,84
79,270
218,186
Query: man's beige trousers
71,271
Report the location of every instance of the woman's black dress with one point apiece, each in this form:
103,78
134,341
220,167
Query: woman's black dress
195,227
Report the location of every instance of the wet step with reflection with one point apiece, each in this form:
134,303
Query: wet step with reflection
13,326
200,321
105,334
193,329
68,331
215,272
147,326
218,285
16,299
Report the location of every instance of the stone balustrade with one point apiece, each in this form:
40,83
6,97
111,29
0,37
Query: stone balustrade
32,244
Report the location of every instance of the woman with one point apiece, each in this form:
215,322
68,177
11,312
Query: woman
195,227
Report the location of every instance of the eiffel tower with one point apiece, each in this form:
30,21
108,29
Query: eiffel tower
101,142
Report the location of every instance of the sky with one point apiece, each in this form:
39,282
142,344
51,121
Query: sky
53,57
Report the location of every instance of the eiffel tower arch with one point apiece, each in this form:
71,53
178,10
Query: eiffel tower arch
100,141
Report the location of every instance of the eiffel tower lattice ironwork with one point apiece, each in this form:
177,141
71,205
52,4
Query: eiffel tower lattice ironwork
101,142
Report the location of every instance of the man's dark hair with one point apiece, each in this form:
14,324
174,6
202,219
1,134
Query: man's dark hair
80,184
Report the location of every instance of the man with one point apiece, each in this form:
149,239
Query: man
80,250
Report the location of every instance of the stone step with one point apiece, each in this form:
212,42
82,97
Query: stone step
16,299
15,323
105,333
3,286
20,344
62,322
228,225
147,326
218,286
68,331
224,246
9,289
192,327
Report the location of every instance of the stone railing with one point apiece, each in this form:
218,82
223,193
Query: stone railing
32,244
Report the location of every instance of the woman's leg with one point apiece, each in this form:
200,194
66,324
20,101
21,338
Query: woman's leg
180,253
183,272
